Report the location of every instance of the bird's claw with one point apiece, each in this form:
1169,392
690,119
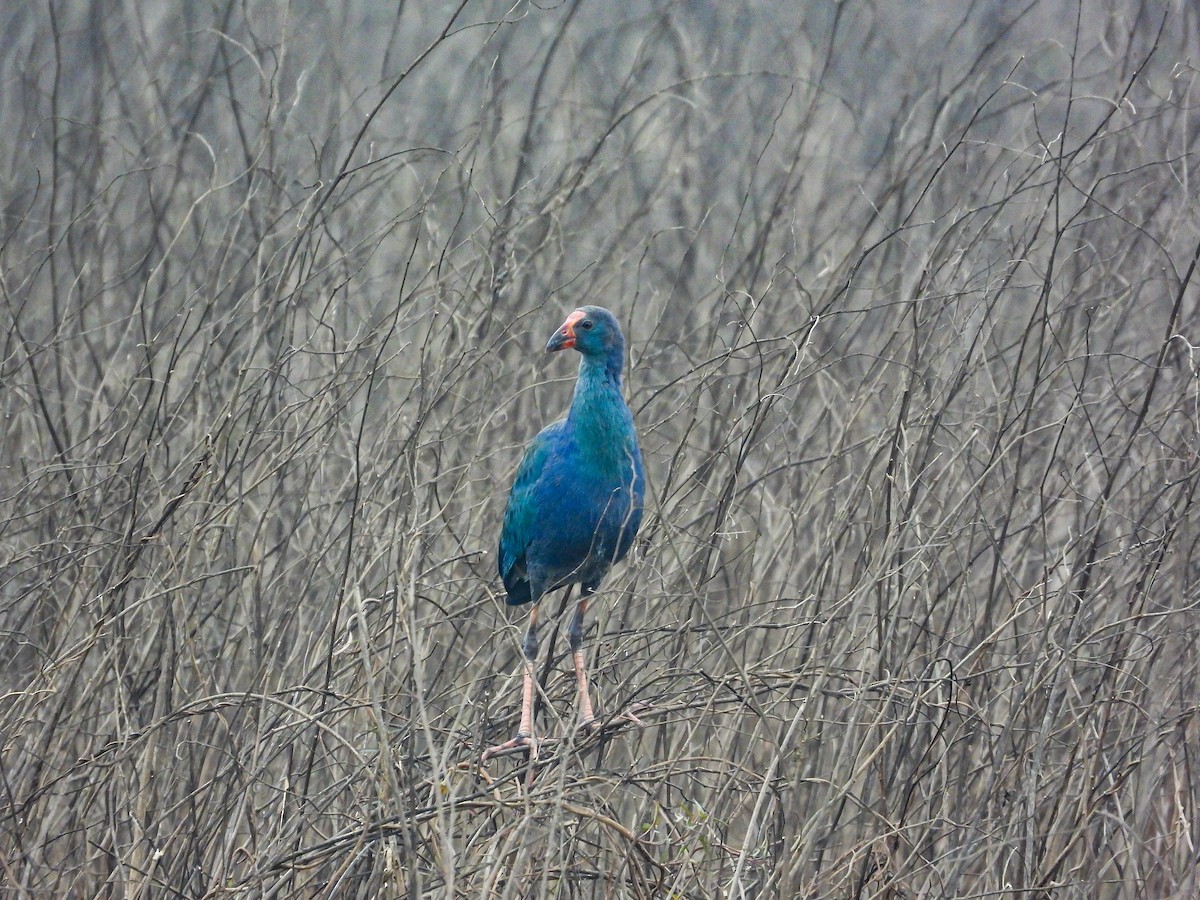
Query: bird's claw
594,725
522,743
629,717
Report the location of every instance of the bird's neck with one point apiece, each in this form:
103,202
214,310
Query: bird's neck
599,380
598,410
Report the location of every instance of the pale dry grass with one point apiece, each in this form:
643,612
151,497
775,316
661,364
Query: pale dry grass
911,311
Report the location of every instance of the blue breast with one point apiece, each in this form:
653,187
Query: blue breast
576,502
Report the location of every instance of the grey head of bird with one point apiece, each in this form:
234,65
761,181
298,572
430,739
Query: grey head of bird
593,331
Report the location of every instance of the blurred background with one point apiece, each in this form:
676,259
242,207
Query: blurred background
910,299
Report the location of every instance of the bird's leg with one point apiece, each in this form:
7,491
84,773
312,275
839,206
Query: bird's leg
530,646
524,739
587,717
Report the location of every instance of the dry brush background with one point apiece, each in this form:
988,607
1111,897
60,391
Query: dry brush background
912,314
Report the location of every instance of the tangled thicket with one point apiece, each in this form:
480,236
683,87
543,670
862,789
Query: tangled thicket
911,302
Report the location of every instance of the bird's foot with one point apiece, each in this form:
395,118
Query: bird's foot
593,725
522,743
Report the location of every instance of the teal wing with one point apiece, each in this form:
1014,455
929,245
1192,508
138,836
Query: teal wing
521,519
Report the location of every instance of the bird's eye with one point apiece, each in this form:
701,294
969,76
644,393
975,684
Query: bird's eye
586,324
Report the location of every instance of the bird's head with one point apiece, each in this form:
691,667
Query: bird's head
592,331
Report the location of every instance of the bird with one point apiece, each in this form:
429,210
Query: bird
575,505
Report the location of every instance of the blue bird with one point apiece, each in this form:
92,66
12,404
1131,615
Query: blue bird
576,501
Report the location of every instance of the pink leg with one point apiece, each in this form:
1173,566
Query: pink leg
587,716
524,741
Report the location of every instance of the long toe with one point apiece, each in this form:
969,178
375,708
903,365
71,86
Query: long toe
628,715
522,743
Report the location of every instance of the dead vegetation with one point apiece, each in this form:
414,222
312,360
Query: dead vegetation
911,301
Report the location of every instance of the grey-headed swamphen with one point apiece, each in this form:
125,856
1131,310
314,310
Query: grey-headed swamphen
576,501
